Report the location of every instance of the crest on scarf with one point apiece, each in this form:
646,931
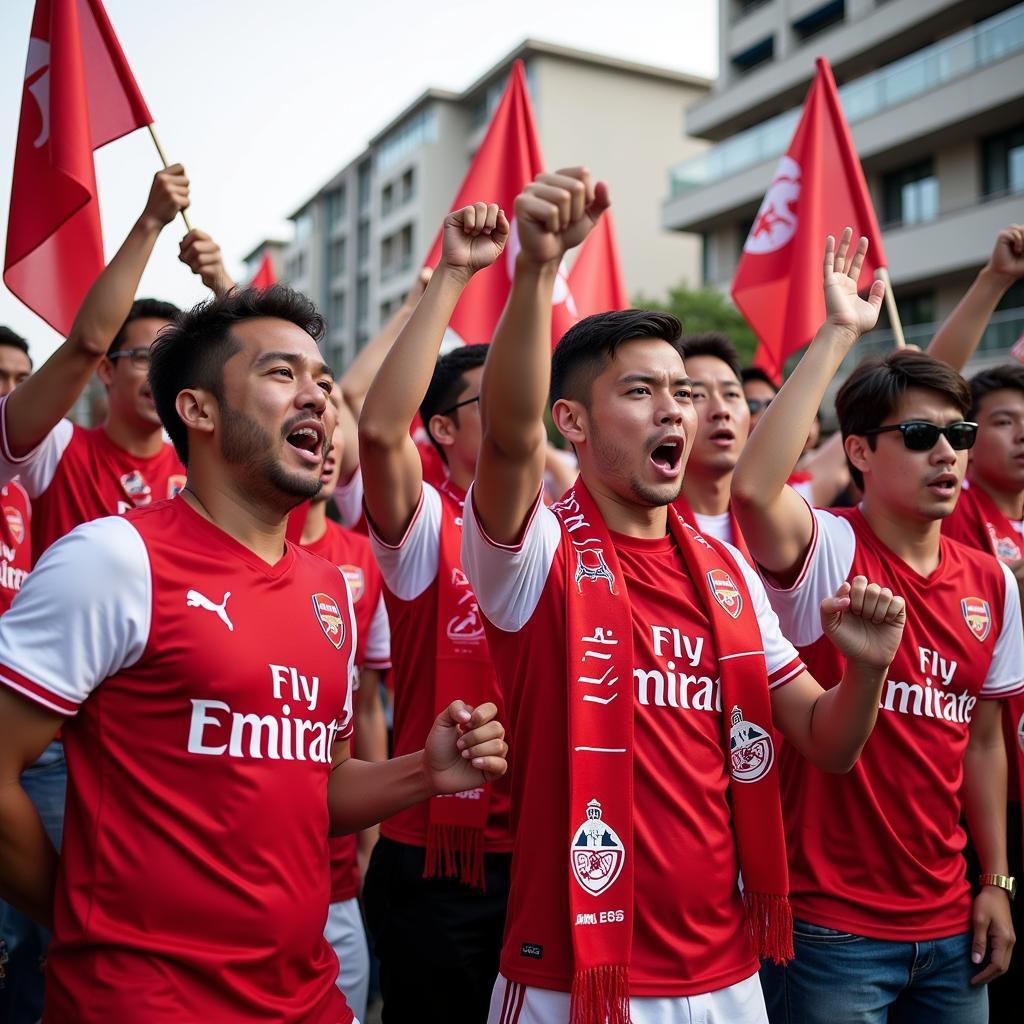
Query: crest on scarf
725,592
590,565
596,853
751,751
977,616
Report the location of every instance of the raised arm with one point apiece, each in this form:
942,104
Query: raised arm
35,407
553,214
961,331
474,238
776,522
202,255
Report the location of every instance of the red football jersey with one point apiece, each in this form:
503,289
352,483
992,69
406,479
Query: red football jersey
689,932
410,571
15,541
75,475
203,690
351,553
877,852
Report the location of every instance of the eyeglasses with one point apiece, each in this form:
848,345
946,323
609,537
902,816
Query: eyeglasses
459,405
922,436
140,357
755,405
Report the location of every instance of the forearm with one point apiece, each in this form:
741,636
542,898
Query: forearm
843,717
28,861
357,379
984,801
958,337
362,793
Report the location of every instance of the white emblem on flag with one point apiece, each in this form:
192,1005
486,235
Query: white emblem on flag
751,752
38,65
776,220
596,853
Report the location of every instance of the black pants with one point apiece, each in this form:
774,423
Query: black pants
438,941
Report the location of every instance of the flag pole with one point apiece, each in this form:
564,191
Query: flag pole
882,274
163,160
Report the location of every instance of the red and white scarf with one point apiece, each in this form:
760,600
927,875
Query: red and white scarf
599,630
683,508
462,671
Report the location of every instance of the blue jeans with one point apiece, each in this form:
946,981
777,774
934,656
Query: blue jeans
23,942
838,978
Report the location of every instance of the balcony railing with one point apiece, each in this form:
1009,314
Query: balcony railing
919,73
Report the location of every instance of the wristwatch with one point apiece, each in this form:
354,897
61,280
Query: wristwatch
1006,882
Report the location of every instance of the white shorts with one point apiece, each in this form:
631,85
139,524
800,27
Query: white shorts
345,932
741,1003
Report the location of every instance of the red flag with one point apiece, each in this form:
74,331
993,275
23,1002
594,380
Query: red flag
818,190
264,276
595,280
508,159
79,95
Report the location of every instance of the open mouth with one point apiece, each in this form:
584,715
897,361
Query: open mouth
723,437
944,486
308,440
667,456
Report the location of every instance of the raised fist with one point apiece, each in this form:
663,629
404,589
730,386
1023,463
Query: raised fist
201,254
168,195
473,237
1007,257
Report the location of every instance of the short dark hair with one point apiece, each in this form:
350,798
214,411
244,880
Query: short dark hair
588,346
192,353
141,308
1006,375
446,384
871,393
757,373
14,340
714,344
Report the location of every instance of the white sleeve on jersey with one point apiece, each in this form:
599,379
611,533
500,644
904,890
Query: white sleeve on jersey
779,653
82,615
348,498
508,580
410,566
1006,673
37,468
828,563
377,653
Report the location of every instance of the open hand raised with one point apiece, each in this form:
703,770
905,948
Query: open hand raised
844,308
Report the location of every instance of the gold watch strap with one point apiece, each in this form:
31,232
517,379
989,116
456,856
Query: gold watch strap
1006,882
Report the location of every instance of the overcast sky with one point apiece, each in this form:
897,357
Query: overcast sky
263,101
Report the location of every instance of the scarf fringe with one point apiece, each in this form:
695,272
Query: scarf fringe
600,995
770,921
456,851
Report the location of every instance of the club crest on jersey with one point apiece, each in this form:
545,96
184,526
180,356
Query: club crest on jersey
590,565
356,580
977,616
176,484
725,592
15,523
135,486
751,751
328,614
596,853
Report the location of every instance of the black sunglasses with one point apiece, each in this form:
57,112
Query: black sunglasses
459,405
921,436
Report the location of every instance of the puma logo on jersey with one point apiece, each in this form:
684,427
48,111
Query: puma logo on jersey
196,600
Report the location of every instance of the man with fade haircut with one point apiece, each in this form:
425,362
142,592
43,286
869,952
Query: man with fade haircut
349,854
885,921
643,670
74,474
201,667
436,889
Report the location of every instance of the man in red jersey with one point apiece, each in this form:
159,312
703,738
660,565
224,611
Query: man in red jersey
201,667
642,667
73,474
349,854
15,504
885,920
436,889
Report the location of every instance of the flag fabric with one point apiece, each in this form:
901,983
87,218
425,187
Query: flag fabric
79,94
264,276
508,159
1018,349
818,189
596,284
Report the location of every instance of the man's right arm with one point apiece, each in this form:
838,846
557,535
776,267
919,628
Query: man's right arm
776,522
36,406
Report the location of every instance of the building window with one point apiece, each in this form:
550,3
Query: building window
408,185
911,194
386,309
336,311
706,262
742,234
755,55
364,187
363,241
407,138
362,304
336,206
295,268
303,225
1002,158
336,258
818,20
387,199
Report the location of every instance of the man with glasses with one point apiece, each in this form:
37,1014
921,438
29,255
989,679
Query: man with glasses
884,916
74,474
437,885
